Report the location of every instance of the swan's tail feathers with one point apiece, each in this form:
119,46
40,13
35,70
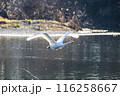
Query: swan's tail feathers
34,36
61,39
48,38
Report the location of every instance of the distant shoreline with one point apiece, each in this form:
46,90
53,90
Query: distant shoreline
21,32
25,28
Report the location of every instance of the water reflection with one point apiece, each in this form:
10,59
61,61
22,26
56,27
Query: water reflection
89,57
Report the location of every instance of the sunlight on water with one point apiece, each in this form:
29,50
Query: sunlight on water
89,57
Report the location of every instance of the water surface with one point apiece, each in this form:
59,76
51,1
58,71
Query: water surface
89,57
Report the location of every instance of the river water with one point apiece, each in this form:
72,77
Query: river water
88,58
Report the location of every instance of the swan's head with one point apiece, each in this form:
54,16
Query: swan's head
48,47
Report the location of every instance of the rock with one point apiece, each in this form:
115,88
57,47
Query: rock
60,10
3,14
3,22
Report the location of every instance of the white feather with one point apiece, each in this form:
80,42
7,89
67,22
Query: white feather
52,43
61,39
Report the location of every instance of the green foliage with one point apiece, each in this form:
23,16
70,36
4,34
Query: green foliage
16,25
40,19
29,21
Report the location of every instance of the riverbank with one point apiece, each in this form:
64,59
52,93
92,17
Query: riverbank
29,32
54,28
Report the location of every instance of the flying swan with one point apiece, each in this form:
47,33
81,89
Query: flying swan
52,43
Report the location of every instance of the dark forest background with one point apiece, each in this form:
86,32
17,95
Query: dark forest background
85,13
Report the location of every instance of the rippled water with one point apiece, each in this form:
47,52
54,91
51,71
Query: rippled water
89,57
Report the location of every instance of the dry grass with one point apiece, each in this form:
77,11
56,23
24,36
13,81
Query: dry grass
42,25
7,20
5,23
4,20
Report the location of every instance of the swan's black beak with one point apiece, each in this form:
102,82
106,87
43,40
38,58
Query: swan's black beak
48,47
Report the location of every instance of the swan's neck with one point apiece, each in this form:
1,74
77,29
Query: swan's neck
68,43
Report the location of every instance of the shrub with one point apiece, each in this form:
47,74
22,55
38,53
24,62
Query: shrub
16,25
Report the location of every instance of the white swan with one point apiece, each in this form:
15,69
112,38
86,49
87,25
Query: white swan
52,43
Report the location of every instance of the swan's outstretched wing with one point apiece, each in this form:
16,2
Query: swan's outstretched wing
48,38
61,39
34,36
44,35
